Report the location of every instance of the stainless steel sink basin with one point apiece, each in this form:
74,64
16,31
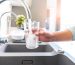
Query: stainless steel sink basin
18,54
22,48
36,60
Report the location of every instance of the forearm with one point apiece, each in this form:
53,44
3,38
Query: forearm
61,36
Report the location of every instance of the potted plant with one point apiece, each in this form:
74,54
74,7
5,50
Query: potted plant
20,20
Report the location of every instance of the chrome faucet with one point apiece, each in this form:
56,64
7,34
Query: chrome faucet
28,14
3,40
3,37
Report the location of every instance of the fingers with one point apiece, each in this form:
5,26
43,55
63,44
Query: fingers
40,32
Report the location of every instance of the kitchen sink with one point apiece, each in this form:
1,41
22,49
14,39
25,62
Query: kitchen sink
18,54
36,60
22,48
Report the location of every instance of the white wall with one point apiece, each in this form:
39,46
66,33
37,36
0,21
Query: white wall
39,10
18,2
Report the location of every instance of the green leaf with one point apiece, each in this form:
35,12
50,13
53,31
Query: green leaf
20,20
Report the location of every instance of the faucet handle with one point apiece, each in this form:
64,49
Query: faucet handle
60,51
3,40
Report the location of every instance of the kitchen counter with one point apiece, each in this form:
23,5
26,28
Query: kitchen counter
67,46
42,56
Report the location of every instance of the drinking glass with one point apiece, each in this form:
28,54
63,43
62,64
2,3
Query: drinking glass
31,38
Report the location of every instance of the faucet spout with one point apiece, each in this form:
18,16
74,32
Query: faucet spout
5,23
27,9
28,13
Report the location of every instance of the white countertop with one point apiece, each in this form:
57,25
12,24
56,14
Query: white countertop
67,46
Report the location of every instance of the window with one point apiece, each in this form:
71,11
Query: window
67,14
51,5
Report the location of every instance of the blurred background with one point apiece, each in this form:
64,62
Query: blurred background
54,15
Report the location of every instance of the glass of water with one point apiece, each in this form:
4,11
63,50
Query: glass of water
31,38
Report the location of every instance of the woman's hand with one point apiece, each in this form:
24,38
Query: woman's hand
53,36
42,35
